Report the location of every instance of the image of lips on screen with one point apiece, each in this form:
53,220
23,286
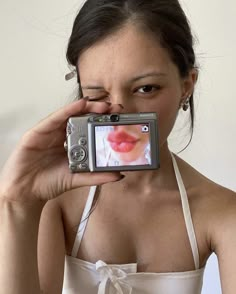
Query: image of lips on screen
124,145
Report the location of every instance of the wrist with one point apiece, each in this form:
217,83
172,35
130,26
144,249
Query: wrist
19,193
21,203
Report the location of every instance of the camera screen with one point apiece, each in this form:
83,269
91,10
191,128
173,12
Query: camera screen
122,145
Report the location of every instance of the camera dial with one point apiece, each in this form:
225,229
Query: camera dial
78,154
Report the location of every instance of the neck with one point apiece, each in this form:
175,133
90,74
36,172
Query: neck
162,178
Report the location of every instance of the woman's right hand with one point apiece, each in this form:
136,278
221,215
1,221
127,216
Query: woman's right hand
38,167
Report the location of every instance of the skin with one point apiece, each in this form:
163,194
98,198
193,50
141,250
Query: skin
138,219
112,81
119,82
138,151
37,171
153,196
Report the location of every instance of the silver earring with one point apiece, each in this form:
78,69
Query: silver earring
185,104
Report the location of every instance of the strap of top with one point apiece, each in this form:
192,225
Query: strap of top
84,221
186,212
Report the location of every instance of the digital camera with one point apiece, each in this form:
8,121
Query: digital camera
112,142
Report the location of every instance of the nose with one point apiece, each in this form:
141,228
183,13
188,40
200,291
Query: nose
125,100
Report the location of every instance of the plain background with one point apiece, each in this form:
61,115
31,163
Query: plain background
34,35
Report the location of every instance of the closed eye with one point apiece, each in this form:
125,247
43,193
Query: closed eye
98,98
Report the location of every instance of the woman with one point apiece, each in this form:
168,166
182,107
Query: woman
122,145
153,231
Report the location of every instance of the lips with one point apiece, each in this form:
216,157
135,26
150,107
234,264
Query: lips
120,141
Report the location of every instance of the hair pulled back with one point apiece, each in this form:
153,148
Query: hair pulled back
165,19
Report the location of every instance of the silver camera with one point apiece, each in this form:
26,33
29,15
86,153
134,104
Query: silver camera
112,142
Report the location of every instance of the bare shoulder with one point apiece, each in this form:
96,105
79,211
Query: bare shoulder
58,216
222,212
214,204
72,204
214,214
203,185
220,220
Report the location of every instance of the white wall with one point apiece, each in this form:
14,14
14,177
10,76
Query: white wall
32,68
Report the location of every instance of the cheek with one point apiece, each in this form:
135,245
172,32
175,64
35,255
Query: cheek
166,108
144,138
167,117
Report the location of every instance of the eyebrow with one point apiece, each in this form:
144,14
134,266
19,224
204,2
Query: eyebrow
151,74
92,88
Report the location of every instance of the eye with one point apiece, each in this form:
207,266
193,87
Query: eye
148,89
99,98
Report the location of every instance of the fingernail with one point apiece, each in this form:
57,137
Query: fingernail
86,98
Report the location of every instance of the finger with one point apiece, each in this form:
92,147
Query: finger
58,118
97,107
91,179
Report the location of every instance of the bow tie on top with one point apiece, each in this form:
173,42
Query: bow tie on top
114,277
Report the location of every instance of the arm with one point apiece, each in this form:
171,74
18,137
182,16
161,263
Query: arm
51,248
224,241
18,247
37,171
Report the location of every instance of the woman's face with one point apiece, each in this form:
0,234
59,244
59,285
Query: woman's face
131,68
128,142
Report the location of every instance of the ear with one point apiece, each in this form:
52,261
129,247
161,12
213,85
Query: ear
189,83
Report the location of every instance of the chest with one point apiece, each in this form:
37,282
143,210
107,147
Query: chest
150,232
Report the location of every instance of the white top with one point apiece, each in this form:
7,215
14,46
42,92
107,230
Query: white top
83,277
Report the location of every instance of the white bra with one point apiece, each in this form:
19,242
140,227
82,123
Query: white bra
83,277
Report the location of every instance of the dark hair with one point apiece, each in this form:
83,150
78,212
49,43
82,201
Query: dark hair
165,19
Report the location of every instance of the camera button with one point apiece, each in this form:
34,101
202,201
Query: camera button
78,154
82,141
83,166
73,167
